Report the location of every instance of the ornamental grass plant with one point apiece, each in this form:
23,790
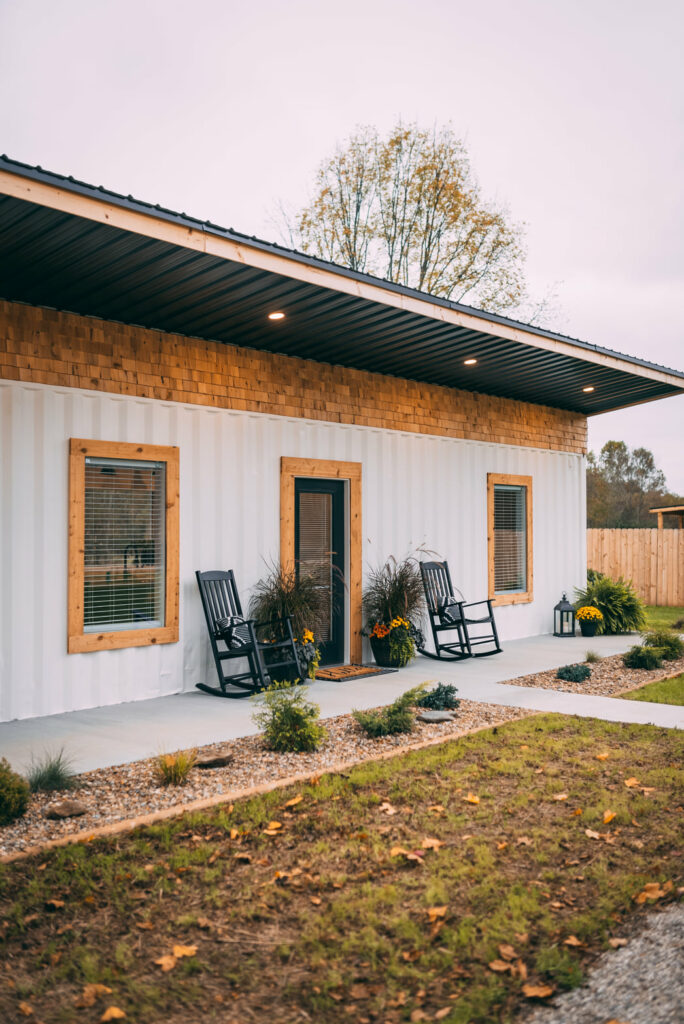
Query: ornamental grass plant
618,602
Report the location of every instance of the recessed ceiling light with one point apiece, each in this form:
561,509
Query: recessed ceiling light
276,316
588,389
469,362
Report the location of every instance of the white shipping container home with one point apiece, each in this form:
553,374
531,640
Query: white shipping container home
156,418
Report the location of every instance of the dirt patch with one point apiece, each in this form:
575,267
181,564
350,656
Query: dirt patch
609,677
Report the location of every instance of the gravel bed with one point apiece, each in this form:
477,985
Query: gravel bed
609,677
129,790
641,983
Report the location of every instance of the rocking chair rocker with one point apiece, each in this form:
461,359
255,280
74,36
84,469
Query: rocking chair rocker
232,637
447,614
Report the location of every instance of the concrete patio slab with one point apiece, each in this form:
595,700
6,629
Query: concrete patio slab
100,737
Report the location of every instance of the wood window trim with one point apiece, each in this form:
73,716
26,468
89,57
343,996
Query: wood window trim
328,469
79,641
510,480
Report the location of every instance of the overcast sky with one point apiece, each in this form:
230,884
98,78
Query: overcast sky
572,113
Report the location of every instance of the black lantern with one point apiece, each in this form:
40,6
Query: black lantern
564,618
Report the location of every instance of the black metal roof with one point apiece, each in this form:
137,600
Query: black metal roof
53,258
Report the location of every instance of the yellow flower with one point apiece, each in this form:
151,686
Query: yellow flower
307,636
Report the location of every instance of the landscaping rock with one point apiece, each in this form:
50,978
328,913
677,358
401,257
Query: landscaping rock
219,760
435,716
65,809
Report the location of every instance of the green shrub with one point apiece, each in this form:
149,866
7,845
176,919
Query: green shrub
618,602
289,721
51,772
395,718
643,657
14,794
174,769
574,673
591,657
442,698
670,643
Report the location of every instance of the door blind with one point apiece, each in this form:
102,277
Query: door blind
510,539
125,544
315,550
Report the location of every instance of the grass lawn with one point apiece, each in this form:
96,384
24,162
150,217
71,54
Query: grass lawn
660,617
432,886
666,691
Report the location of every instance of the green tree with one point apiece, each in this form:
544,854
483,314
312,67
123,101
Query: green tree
407,208
622,484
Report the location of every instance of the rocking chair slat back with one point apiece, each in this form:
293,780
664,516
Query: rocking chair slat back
219,595
437,584
449,613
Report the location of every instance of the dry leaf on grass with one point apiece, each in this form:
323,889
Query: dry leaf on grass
506,952
431,844
418,1015
523,841
436,809
577,811
90,994
560,796
245,858
631,783
387,808
273,828
295,800
144,926
602,757
434,913
181,951
537,991
502,845
572,940
522,936
589,832
25,1009
167,963
54,904
112,1013
608,816
316,900
616,943
653,891
444,1012
500,966
471,798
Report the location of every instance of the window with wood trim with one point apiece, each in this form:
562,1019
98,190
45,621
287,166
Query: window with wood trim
509,520
123,545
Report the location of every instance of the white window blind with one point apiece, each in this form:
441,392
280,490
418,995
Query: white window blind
315,549
125,544
510,539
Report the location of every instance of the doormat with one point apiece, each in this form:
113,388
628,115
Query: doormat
338,673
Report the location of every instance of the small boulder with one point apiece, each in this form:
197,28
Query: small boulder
435,716
219,760
65,809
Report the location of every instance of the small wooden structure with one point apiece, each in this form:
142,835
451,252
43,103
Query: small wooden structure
669,510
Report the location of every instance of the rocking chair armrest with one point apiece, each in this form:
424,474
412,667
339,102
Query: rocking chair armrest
474,604
270,622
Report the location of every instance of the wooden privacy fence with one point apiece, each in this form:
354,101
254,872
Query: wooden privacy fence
652,559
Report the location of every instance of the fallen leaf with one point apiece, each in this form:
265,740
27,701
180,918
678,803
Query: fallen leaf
521,968
577,812
316,900
522,936
500,966
651,891
418,1015
523,841
234,833
167,963
602,757
560,796
616,943
436,912
359,992
537,991
506,952
589,832
25,1009
204,923
572,940
244,857
90,994
631,783
471,798
431,844
112,1013
387,808
398,851
524,746
181,951
502,845
144,926
295,800
54,904
608,816
444,1012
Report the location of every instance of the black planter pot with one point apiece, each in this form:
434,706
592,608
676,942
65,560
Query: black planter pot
587,627
381,652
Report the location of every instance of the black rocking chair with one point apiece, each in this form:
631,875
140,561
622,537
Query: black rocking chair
232,637
448,615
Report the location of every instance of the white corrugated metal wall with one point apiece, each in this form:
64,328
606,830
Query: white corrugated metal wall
417,491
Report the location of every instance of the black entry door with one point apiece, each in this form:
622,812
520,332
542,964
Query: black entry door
319,552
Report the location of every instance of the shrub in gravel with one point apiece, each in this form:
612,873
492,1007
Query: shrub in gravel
174,769
395,718
591,657
289,721
643,657
574,673
442,698
51,772
14,794
669,642
678,624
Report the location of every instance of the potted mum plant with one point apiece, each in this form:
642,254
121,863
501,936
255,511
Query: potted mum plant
279,594
393,604
589,619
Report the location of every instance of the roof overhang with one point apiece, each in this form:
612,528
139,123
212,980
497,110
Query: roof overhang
75,247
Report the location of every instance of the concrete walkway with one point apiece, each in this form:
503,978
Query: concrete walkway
99,737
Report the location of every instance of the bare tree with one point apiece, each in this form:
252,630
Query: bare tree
407,208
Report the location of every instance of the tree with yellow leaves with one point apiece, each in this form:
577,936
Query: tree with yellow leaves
407,208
